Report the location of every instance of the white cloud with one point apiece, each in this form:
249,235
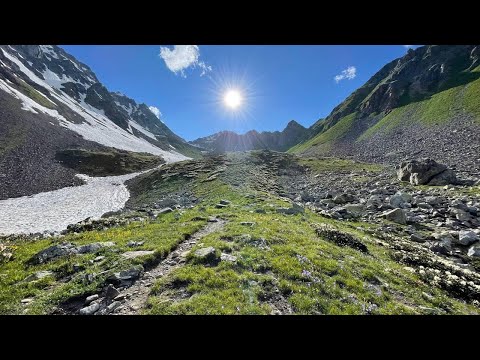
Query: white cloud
408,46
156,112
349,74
181,57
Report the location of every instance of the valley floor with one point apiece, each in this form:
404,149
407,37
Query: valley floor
225,235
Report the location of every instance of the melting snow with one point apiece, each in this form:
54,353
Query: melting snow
55,210
142,129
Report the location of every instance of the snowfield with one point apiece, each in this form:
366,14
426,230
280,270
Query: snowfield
55,210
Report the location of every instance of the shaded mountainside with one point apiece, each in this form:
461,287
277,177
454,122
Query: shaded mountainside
50,102
253,140
426,103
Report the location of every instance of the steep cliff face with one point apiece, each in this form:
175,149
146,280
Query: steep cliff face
425,103
253,140
49,101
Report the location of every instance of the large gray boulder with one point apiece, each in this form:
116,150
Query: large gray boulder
425,172
396,215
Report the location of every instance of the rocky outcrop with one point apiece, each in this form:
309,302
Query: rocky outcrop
425,172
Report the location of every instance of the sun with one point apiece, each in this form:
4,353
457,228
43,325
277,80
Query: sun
232,99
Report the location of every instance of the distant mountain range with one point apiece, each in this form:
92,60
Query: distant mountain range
50,102
225,141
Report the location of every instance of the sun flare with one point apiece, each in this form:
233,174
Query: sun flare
232,99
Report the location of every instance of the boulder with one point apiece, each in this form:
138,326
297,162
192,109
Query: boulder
90,310
355,209
425,172
474,250
224,202
400,199
466,237
54,252
206,255
295,209
228,257
396,215
344,198
94,247
374,202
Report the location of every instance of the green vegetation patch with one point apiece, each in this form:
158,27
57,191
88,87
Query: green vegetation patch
106,163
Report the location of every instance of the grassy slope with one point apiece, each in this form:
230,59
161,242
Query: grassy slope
440,108
325,140
314,275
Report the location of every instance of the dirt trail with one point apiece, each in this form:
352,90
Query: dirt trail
137,294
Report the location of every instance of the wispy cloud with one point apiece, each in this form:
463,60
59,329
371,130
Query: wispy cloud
156,112
349,74
408,46
182,57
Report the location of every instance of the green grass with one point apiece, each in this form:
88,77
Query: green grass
436,110
107,163
325,140
280,259
34,94
313,275
160,236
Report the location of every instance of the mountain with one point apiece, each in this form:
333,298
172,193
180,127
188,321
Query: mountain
50,102
426,103
252,140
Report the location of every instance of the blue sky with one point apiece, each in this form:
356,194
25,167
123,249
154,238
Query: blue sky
276,83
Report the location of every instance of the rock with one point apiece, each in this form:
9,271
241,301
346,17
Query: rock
221,206
91,298
53,252
119,297
211,219
400,198
444,178
441,247
224,202
111,292
340,238
26,301
165,210
260,211
94,247
396,215
206,255
90,310
444,236
247,223
343,198
466,237
135,254
417,237
38,275
99,258
228,257
432,200
474,250
374,202
355,209
425,171
295,209
110,308
127,276
460,215
135,243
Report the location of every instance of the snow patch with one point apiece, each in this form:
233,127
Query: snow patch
48,49
55,210
142,129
